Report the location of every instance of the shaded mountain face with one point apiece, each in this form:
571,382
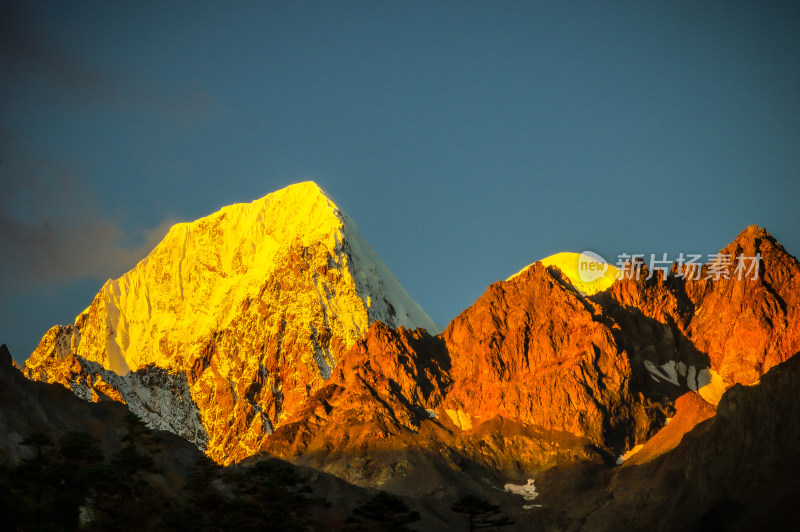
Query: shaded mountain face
738,470
28,408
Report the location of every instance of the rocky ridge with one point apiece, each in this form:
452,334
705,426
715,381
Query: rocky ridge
535,359
711,332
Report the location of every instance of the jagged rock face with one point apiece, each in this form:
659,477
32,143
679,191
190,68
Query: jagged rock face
534,350
255,303
691,333
652,318
381,421
383,387
530,374
161,398
748,326
291,366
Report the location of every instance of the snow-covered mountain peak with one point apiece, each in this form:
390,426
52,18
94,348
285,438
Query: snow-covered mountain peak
254,304
198,278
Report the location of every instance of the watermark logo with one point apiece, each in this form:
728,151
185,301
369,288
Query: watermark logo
717,266
591,267
689,266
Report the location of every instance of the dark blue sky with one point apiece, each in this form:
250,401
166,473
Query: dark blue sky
467,139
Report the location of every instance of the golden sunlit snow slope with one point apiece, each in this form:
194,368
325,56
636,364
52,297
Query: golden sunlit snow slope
197,278
570,265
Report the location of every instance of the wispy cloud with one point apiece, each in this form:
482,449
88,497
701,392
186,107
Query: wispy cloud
53,227
54,231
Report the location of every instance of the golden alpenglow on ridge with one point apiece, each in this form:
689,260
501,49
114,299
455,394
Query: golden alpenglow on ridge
595,276
253,304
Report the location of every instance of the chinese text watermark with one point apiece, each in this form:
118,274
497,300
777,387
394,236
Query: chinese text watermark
686,265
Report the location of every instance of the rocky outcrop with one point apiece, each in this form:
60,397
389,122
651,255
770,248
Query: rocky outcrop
748,326
386,385
534,350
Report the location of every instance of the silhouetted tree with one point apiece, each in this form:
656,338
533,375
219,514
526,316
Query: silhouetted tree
70,485
382,512
268,495
481,513
12,502
52,487
38,441
202,503
282,495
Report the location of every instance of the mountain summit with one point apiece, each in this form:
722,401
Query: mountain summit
253,304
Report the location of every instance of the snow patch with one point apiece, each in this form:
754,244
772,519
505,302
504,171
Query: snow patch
621,458
711,385
672,374
526,491
665,372
691,378
705,381
460,419
161,399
